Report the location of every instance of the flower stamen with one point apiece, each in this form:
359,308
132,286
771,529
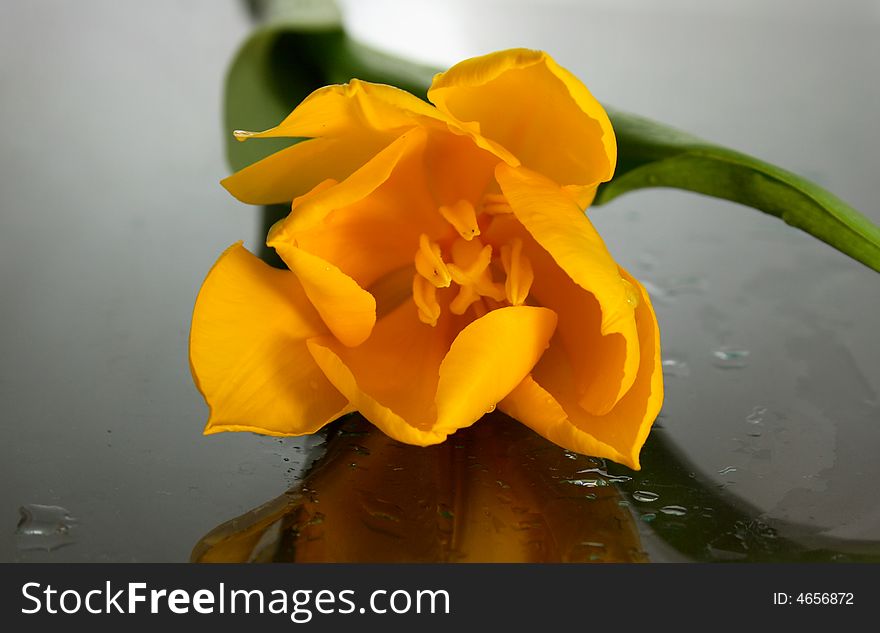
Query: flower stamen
425,297
429,263
519,273
470,264
463,217
470,270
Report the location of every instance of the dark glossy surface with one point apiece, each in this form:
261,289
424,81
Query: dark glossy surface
111,216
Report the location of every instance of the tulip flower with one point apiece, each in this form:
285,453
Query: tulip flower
440,265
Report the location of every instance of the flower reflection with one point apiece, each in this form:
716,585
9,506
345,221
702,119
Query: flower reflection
496,492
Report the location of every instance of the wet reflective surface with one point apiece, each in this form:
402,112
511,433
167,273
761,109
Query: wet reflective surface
111,216
495,493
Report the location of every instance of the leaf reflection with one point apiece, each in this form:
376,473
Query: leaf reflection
494,492
720,526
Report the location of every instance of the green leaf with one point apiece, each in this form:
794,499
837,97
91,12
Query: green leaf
280,64
721,526
654,155
271,74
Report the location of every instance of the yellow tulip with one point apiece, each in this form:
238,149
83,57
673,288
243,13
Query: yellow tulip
440,265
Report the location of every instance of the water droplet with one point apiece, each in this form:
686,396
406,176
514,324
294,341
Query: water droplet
632,294
44,527
381,509
616,479
676,511
730,358
648,517
529,524
360,450
676,368
757,415
597,482
490,409
645,496
727,470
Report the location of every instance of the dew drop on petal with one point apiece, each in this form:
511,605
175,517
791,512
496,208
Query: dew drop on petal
632,294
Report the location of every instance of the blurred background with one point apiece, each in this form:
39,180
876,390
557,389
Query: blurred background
111,215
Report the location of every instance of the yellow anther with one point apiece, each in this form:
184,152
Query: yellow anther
463,217
430,264
519,272
425,297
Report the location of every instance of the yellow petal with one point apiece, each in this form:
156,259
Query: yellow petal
348,310
248,351
293,171
348,124
339,109
461,166
548,402
487,360
606,364
418,385
524,101
368,225
391,379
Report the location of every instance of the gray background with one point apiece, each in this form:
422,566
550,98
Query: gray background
111,215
